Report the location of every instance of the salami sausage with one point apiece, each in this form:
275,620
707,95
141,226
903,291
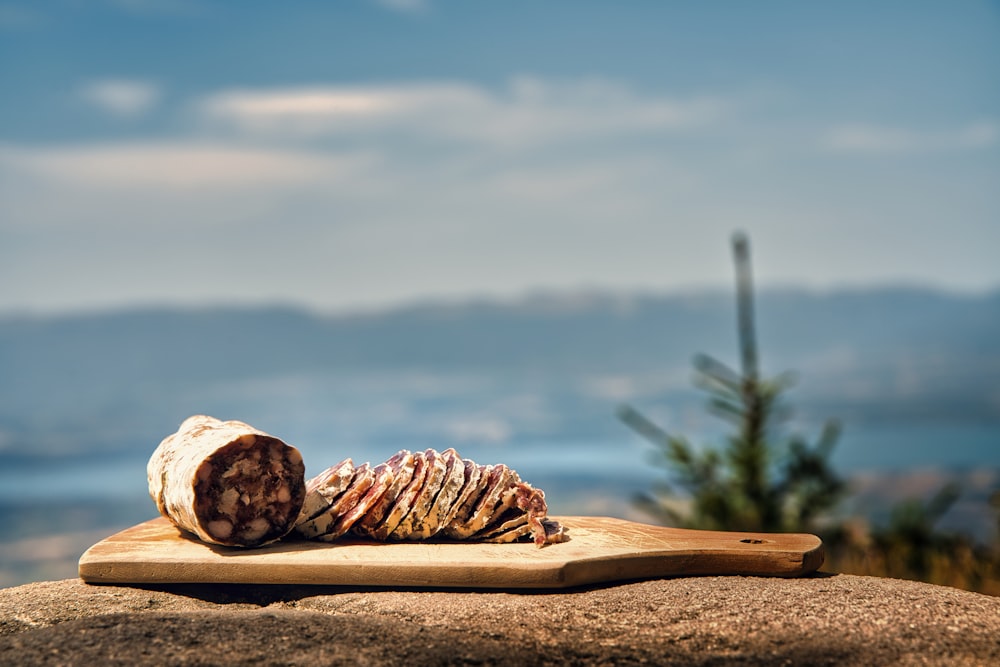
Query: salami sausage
227,482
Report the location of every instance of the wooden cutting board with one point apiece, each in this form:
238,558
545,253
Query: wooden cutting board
600,550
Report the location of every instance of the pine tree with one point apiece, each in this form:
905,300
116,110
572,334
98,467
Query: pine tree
759,481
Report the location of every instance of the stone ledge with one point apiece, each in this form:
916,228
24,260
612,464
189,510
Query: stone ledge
827,619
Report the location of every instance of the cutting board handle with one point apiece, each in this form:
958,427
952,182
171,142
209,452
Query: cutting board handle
659,551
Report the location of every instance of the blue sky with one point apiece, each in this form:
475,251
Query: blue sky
360,154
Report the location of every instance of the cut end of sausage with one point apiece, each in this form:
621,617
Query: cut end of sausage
250,491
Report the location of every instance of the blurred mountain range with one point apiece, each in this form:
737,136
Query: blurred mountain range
544,366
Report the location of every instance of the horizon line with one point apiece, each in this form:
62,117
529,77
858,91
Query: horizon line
531,296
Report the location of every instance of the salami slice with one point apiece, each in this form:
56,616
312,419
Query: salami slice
532,501
456,528
412,523
504,522
467,495
325,522
485,510
227,482
511,535
404,501
555,532
381,478
403,466
451,487
325,488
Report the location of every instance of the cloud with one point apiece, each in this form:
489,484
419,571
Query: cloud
528,111
174,167
882,140
313,110
121,97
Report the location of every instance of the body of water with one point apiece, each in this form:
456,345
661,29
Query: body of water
886,448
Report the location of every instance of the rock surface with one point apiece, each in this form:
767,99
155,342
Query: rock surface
825,619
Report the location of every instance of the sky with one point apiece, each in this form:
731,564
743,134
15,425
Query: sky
362,154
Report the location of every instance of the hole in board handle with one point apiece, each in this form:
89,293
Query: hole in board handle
752,540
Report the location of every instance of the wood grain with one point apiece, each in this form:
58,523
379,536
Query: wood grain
600,550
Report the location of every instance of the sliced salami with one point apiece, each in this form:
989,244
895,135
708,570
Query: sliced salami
505,521
466,506
467,495
511,535
451,486
496,486
381,478
412,522
403,467
227,482
325,488
532,502
325,522
404,502
555,532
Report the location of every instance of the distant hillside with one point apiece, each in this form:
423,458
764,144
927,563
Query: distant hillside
100,382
